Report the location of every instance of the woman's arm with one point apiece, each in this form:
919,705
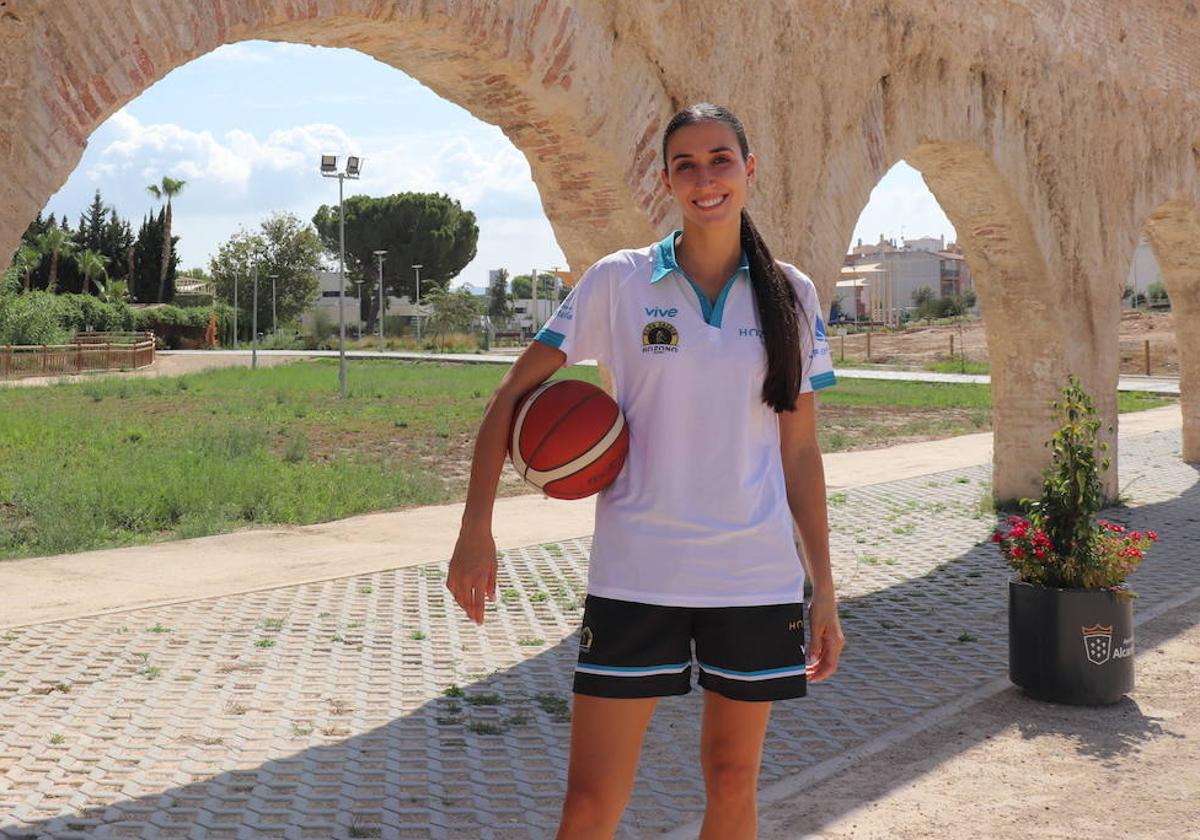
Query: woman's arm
804,477
473,566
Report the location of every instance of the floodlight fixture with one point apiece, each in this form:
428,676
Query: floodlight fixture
329,165
353,166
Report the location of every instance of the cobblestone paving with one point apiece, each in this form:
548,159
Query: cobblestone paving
369,707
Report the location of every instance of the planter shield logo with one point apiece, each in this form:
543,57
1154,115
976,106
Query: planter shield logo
1097,643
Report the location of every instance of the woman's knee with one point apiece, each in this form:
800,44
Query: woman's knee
591,812
730,778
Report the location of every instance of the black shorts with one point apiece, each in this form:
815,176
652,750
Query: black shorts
628,649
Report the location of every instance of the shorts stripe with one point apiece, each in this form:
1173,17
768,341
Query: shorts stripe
621,671
751,676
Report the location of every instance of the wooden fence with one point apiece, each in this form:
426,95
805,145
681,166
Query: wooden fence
90,351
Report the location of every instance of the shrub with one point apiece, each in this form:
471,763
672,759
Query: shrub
1060,543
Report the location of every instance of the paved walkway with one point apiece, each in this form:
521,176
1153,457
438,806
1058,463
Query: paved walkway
364,704
225,358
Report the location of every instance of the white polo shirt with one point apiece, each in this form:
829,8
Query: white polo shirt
699,514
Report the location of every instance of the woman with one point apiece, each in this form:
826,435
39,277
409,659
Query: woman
714,351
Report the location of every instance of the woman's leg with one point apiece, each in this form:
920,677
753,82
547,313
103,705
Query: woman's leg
606,740
731,741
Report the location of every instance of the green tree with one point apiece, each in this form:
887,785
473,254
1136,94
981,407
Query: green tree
1156,293
498,305
57,243
522,288
283,246
92,265
147,250
26,261
453,311
169,188
425,229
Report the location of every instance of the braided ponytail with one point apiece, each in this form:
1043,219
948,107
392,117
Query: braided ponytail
780,313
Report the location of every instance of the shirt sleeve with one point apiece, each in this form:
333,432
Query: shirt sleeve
581,326
815,356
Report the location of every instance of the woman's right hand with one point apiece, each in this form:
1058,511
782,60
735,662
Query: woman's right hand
473,572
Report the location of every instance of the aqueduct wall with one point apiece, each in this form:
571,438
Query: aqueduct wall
1051,131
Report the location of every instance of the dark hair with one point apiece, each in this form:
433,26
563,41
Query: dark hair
779,311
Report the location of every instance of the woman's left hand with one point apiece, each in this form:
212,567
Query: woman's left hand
825,639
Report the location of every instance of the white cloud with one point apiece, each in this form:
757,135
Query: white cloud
240,53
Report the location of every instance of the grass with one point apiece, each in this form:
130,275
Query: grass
114,462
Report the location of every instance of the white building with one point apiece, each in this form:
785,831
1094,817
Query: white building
878,281
326,302
1144,271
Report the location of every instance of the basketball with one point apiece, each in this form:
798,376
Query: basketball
568,439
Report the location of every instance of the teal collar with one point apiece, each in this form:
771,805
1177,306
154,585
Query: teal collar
664,259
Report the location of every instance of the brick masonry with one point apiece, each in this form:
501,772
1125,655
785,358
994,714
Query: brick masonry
1052,133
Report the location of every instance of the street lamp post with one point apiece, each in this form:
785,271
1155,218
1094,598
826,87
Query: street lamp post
417,268
274,322
329,169
379,256
237,269
254,323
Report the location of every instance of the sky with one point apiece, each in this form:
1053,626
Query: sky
245,126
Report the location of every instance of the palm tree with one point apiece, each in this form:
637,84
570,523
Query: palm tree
169,187
27,260
55,242
91,264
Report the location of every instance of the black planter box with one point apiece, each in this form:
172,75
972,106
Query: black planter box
1070,645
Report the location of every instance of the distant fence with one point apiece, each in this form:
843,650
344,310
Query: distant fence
90,351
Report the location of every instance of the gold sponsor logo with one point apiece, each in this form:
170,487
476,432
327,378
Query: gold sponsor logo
660,337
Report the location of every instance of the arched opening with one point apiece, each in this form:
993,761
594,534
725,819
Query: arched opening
526,72
1173,230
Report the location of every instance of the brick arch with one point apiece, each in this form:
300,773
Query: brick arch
1173,229
543,71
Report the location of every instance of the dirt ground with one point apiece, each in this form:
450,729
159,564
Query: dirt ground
919,345
1011,768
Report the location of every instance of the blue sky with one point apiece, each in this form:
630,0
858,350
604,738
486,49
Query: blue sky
245,126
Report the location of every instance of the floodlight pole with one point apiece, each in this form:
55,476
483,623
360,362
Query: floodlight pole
329,170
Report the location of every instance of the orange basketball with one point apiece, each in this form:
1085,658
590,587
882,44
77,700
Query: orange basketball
568,439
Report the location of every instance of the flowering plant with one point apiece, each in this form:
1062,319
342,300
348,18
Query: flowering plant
1059,542
1114,552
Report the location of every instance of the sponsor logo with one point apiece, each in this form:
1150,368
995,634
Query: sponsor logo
753,332
820,329
660,337
795,625
659,312
585,640
566,311
1097,643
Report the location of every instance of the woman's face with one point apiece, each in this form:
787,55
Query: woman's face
706,174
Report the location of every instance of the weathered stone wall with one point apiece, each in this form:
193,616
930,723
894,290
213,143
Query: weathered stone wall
1050,131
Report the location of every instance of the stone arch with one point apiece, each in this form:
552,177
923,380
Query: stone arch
972,165
1174,232
544,71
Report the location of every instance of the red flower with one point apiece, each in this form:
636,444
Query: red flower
1018,552
996,537
1134,535
1135,552
1153,535
1039,553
